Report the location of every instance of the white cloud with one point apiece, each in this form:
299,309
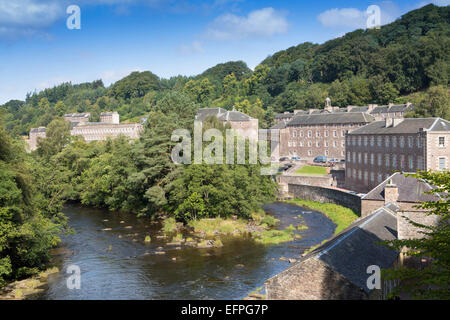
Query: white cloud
194,48
262,23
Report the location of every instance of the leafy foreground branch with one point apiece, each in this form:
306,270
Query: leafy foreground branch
431,281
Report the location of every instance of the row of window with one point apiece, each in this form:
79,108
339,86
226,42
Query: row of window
366,175
317,134
388,161
310,153
386,141
104,130
317,144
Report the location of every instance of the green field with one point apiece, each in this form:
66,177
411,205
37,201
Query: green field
343,217
312,171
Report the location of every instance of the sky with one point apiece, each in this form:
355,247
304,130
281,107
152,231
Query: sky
168,37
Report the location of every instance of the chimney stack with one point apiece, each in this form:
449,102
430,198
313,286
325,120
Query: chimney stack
390,193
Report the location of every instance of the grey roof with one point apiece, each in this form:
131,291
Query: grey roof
392,108
284,116
78,115
279,125
412,125
331,118
40,129
108,113
357,109
352,251
410,189
222,115
234,116
202,114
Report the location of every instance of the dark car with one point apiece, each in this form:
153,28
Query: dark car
283,159
320,159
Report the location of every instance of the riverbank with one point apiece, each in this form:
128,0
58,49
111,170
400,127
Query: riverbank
20,290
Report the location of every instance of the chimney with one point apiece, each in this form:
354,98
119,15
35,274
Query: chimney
396,122
388,122
390,193
371,107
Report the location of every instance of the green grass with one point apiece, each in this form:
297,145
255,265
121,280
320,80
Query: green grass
169,225
218,225
312,171
270,237
343,217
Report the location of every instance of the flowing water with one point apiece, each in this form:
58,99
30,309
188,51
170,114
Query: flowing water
118,264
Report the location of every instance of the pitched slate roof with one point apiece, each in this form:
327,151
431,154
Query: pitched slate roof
331,118
40,129
284,116
108,113
392,108
352,251
406,126
279,125
410,189
221,114
77,115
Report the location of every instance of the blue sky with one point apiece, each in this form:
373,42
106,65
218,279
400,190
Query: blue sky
167,37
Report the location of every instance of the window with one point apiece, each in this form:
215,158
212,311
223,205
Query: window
309,144
402,142
366,140
343,144
359,174
442,165
294,144
359,141
318,144
366,176
349,159
387,142
326,133
380,177
372,141
309,133
419,163
354,157
326,153
410,142
349,173
402,161
394,142
294,134
349,142
379,141
372,159
441,142
387,161
394,161
354,141
326,144
372,176
343,133
359,158
379,160
411,162
419,142
301,133
317,134
309,153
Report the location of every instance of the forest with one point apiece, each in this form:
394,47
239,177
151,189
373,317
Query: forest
407,60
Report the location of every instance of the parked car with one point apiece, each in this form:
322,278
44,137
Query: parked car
320,159
334,160
296,159
343,161
283,159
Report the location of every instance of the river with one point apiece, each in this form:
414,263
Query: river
118,264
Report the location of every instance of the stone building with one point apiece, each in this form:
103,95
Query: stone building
35,133
76,118
245,125
338,270
377,150
309,136
110,117
98,131
109,127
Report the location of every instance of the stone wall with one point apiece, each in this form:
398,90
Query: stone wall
325,181
312,279
326,195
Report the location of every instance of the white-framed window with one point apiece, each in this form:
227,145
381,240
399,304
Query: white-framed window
317,134
441,142
318,144
326,133
387,158
309,133
309,144
326,144
411,162
309,153
294,134
410,142
301,133
326,153
342,133
442,164
343,144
